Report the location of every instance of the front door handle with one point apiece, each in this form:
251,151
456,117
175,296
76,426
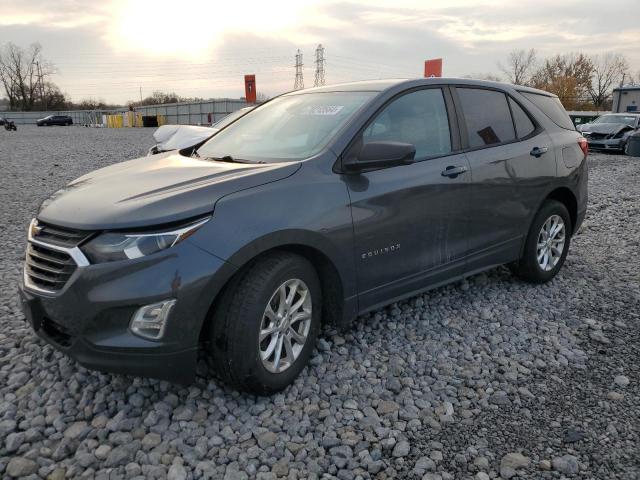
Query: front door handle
452,171
538,151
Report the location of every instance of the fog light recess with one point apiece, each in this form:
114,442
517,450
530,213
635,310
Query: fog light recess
150,321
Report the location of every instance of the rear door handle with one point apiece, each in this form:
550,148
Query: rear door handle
453,171
538,151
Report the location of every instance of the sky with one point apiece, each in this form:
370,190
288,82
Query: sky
113,50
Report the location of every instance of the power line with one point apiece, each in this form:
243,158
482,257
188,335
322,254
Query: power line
299,82
320,64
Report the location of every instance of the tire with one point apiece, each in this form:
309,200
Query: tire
529,268
234,348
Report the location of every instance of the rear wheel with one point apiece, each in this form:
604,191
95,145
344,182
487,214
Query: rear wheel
547,244
266,323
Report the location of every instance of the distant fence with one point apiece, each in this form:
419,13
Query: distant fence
196,113
79,117
580,117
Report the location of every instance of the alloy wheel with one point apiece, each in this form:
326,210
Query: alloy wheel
285,325
551,242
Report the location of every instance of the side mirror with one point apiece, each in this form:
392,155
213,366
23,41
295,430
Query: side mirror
375,155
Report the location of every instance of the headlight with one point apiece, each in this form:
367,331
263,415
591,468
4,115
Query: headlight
113,246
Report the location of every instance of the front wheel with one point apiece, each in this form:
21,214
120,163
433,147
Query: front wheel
547,244
266,323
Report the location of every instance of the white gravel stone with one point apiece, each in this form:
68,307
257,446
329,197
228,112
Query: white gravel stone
621,381
468,372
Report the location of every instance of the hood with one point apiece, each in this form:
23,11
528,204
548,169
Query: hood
153,190
176,137
604,128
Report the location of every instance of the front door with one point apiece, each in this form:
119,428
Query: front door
410,222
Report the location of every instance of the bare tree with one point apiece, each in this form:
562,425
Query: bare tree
53,98
520,66
23,74
94,104
608,70
632,79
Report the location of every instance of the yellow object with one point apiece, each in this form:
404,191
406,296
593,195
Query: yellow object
115,121
128,119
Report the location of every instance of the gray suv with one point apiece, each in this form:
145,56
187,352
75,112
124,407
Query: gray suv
315,207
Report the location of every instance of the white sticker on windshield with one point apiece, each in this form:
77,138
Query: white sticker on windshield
322,110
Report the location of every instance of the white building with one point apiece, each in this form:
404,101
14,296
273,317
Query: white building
626,99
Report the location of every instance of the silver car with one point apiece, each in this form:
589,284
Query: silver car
611,131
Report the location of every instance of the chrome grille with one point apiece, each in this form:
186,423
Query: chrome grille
46,268
52,256
63,237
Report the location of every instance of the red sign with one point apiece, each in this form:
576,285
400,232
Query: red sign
433,68
250,88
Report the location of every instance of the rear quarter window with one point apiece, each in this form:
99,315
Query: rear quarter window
552,108
524,125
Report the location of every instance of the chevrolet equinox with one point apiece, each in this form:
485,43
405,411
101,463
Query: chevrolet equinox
316,206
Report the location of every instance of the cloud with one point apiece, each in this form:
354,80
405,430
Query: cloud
202,48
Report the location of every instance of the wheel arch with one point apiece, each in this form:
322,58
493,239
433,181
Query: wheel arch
336,311
565,196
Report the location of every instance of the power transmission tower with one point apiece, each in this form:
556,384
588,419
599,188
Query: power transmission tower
40,86
320,63
299,83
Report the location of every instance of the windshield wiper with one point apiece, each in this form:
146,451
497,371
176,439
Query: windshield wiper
230,159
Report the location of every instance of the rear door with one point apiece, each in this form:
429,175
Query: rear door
512,161
410,222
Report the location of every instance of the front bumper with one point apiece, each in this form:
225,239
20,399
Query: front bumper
611,144
89,318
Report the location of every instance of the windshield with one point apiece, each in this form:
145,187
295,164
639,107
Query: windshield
288,128
622,119
231,118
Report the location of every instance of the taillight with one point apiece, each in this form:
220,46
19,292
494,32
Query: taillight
584,146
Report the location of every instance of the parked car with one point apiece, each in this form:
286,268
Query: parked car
62,120
611,131
176,137
318,206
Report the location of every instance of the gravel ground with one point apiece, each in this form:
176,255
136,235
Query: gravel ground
486,378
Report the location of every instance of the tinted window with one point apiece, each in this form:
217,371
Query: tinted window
419,118
552,108
524,125
287,128
487,116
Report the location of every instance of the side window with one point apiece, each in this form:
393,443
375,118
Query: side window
524,125
419,118
487,116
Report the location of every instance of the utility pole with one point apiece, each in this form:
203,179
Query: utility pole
140,94
299,83
320,63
